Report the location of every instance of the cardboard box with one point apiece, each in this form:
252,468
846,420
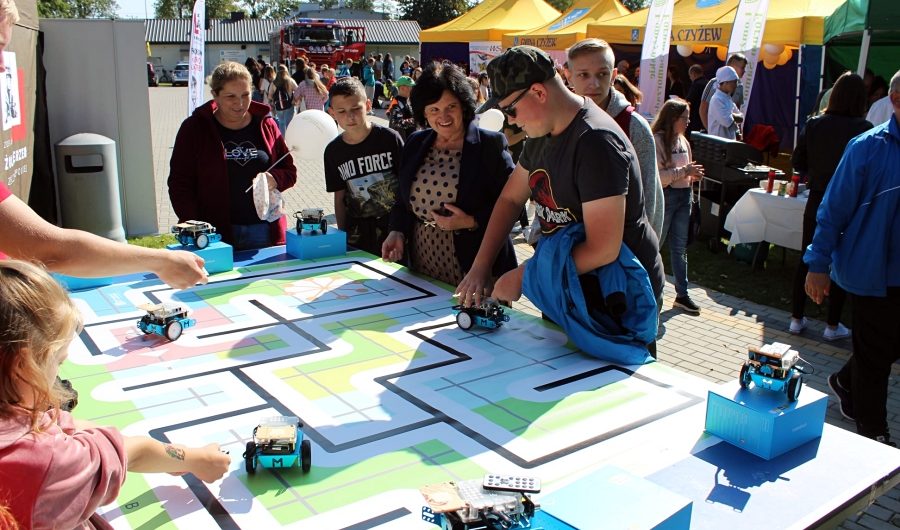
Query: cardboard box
312,246
764,422
612,499
219,256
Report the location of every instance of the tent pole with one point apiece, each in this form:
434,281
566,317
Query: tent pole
864,52
797,94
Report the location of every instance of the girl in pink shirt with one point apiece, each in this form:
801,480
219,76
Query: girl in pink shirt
55,471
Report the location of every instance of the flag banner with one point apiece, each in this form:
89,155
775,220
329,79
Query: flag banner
655,57
195,64
746,37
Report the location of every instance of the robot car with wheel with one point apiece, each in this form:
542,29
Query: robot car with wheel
196,233
489,315
311,220
165,320
773,367
278,443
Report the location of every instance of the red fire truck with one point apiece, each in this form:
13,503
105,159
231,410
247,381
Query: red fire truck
323,41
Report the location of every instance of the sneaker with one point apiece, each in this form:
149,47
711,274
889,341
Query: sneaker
838,333
797,326
688,305
843,394
885,439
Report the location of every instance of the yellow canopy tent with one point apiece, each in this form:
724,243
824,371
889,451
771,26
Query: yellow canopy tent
570,28
708,23
490,20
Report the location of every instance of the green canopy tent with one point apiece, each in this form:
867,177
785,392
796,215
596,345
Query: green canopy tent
863,34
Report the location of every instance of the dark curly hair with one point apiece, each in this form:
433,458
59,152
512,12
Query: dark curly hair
435,79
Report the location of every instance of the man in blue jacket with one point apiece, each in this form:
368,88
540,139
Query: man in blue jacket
858,237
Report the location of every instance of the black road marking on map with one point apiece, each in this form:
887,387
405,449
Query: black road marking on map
379,520
220,514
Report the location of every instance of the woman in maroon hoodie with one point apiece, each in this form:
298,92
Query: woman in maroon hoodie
219,149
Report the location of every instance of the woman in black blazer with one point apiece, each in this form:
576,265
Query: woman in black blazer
450,176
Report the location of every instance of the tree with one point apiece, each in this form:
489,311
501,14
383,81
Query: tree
184,8
362,5
634,5
430,13
561,5
327,4
78,8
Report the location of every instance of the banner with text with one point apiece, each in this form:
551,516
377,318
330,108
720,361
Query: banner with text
481,53
746,37
655,57
196,69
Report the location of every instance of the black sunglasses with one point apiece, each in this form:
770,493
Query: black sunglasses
510,110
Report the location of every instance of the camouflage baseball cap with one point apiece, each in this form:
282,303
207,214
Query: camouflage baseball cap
517,68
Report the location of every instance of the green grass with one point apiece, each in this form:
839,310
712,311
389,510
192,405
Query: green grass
770,286
152,241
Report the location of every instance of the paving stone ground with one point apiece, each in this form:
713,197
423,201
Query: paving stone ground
711,345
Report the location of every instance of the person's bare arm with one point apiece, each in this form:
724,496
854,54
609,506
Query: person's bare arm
604,225
27,236
146,455
506,211
704,114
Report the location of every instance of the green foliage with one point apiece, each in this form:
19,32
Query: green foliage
561,5
152,241
183,8
430,13
327,4
362,5
634,5
78,8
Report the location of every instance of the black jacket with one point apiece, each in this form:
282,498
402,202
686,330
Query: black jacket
821,145
485,167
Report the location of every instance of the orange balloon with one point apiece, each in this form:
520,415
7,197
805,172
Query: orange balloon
698,48
784,57
769,65
721,52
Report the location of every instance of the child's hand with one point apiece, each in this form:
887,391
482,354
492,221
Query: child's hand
209,463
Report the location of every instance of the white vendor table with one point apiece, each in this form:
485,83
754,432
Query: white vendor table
760,216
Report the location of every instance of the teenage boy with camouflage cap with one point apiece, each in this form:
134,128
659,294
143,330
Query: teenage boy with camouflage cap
578,167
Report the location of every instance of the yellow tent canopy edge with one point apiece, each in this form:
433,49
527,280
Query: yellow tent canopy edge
790,22
570,27
491,19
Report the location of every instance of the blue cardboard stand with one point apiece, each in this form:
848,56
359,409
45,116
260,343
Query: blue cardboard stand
218,256
312,246
764,422
613,499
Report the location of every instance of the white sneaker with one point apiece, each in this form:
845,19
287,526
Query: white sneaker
797,326
838,333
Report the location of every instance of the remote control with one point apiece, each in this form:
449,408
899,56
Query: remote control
511,483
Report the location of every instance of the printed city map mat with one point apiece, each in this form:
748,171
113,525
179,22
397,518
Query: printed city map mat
392,394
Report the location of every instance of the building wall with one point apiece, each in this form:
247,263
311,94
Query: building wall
105,92
168,55
396,51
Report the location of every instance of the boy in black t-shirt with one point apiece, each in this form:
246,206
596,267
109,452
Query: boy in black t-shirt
360,168
577,166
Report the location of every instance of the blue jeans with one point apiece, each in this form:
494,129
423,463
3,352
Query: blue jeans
675,226
283,118
246,237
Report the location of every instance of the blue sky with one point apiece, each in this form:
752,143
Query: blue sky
144,8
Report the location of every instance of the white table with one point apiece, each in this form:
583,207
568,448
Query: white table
760,216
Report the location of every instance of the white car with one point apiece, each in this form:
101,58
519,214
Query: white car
180,74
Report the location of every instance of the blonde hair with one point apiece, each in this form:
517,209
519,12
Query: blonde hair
7,520
281,76
311,76
37,318
227,72
9,11
587,46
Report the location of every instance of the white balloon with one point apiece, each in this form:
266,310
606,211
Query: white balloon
684,50
308,134
773,49
491,120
